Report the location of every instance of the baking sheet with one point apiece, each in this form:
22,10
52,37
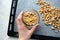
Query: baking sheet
42,29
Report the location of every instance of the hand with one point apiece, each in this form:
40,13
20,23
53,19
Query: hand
24,33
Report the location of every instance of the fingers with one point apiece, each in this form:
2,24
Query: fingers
34,28
19,19
20,15
19,22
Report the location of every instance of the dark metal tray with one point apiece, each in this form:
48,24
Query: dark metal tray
43,31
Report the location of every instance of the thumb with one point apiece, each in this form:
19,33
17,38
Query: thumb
34,28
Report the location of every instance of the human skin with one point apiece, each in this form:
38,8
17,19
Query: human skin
23,32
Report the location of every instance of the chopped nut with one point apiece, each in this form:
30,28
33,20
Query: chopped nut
50,14
52,28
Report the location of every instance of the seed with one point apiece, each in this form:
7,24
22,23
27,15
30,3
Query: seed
52,28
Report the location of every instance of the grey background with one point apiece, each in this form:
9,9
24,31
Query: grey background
31,4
